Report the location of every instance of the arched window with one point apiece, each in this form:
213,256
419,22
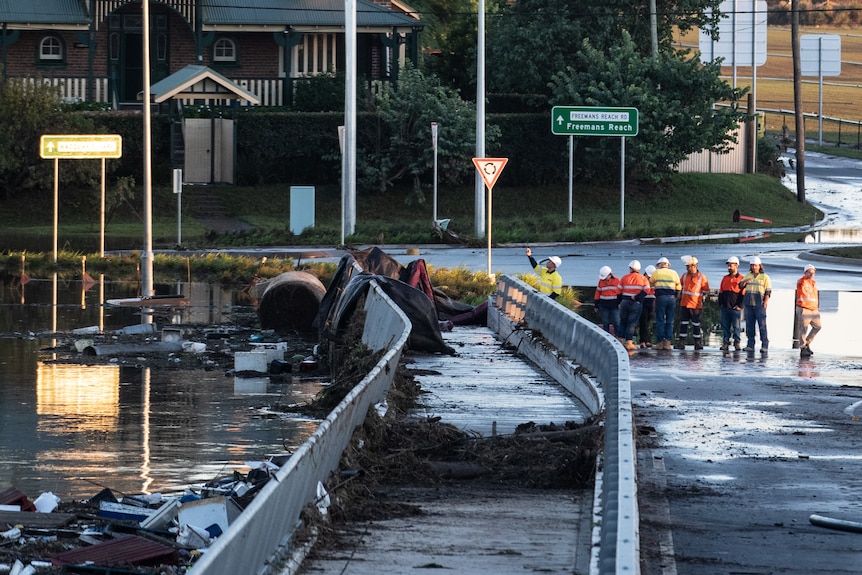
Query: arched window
51,49
224,50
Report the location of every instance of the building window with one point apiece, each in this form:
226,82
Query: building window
162,46
50,49
224,50
115,46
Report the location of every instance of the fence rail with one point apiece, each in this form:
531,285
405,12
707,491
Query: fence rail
266,525
616,519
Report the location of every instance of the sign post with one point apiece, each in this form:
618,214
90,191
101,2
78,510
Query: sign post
820,55
490,169
178,190
596,121
79,147
434,144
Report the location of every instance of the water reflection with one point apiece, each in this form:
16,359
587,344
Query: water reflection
72,429
89,393
57,304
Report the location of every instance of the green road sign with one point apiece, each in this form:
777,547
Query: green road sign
81,147
594,121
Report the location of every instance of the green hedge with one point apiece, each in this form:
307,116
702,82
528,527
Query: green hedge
302,148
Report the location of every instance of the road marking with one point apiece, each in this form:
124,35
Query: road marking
851,409
665,538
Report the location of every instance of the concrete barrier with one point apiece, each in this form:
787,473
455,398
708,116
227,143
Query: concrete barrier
254,541
593,365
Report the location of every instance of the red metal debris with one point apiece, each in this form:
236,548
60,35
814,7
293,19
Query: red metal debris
13,496
129,550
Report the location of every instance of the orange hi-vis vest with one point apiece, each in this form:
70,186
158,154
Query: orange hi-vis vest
633,284
806,293
694,289
608,290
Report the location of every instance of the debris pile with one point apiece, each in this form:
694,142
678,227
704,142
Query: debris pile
152,533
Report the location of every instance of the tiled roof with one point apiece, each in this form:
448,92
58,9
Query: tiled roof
222,13
43,12
195,81
298,13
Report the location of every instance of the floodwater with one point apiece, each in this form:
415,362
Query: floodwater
71,429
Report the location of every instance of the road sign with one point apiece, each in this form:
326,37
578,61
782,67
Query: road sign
743,34
820,54
594,121
490,169
81,146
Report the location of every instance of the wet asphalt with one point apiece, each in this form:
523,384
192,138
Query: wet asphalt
734,461
737,452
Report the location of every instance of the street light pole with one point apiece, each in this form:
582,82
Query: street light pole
147,255
480,119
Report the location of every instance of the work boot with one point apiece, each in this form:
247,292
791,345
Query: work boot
737,347
666,345
680,344
725,346
630,345
805,351
698,345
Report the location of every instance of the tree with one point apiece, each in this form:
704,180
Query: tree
28,111
449,41
529,41
398,144
674,95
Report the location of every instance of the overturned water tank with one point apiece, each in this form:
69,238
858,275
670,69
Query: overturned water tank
290,301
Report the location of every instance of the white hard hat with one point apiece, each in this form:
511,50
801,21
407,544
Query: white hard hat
689,260
635,265
755,260
810,267
649,270
604,272
663,261
732,260
557,261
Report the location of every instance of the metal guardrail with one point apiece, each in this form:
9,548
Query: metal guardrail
616,523
266,525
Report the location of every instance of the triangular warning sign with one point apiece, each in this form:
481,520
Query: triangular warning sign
490,168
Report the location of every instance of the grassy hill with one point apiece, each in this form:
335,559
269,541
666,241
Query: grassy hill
774,82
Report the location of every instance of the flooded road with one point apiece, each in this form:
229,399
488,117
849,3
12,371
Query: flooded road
135,428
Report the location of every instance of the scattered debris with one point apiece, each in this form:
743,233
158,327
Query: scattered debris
145,530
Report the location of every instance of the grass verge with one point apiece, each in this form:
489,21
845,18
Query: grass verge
687,204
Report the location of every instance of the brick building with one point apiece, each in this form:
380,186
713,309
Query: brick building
93,49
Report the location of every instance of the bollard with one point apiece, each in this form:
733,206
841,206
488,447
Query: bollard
737,216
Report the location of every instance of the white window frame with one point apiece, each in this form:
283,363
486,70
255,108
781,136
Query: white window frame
221,44
51,49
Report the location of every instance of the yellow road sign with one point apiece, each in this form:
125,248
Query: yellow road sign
81,146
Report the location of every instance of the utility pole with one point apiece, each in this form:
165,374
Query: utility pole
797,102
653,30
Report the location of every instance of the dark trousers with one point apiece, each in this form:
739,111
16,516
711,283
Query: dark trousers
647,311
630,313
690,317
